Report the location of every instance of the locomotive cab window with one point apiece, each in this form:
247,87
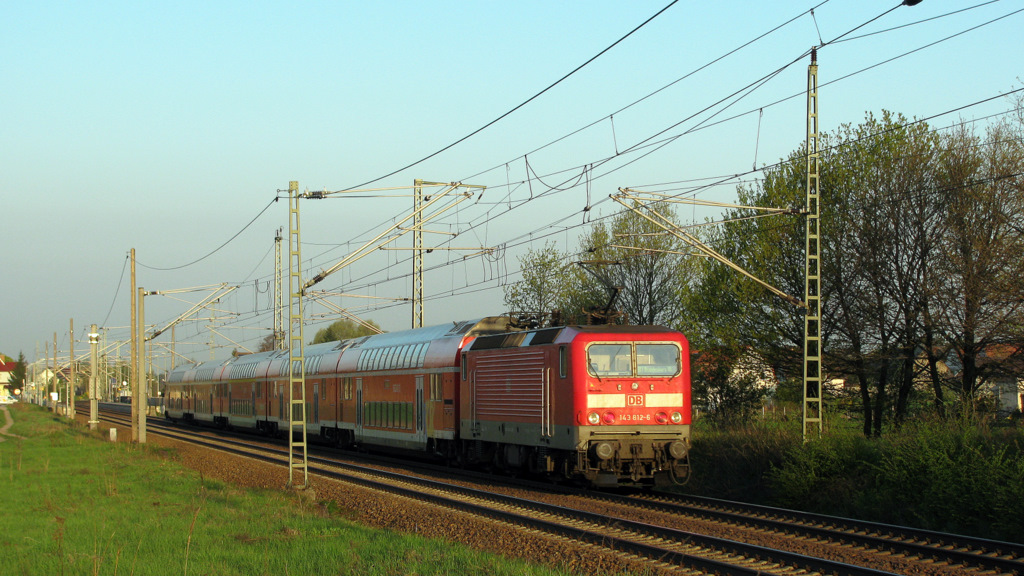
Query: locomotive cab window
610,359
622,359
657,360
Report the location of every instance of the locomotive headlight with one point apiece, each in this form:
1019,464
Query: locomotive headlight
661,417
677,417
609,418
594,418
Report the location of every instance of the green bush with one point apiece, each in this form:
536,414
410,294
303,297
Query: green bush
733,463
960,478
821,474
949,476
953,476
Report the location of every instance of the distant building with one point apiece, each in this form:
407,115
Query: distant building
753,366
1005,386
5,371
5,378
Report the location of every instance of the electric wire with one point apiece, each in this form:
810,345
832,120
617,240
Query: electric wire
661,89
535,234
750,87
215,250
524,103
847,76
840,39
704,124
909,24
222,246
116,291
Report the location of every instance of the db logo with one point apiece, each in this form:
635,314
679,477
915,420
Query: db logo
634,400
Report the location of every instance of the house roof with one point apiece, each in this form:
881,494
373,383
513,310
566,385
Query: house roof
1000,352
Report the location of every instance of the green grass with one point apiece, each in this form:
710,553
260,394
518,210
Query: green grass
74,504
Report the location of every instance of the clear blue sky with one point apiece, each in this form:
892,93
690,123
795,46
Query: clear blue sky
168,127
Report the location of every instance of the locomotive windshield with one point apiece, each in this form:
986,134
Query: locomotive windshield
633,360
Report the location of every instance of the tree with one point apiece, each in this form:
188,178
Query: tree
17,377
976,288
876,229
920,259
268,344
628,264
544,284
650,274
879,235
731,313
344,329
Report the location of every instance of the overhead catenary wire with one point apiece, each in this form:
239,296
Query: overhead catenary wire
511,184
215,250
517,107
915,23
738,95
562,185
554,229
661,89
854,73
533,235
706,124
124,267
481,286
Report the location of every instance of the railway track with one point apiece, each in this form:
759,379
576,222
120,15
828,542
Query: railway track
960,552
661,541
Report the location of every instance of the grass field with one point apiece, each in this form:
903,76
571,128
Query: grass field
73,504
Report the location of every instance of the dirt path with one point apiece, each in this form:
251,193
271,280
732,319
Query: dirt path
8,422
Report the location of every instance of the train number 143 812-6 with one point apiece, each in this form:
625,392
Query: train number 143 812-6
635,417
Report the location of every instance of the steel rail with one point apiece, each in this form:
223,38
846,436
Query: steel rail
1004,557
956,550
599,533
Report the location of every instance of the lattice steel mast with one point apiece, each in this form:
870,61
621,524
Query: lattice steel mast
417,254
417,238
812,404
279,336
297,455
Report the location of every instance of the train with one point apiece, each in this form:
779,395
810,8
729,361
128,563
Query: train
605,406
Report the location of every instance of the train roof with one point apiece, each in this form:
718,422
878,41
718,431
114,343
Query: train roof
326,357
557,334
466,328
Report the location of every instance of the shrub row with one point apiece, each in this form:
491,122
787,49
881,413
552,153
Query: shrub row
952,476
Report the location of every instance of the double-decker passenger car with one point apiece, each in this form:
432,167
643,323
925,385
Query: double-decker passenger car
609,405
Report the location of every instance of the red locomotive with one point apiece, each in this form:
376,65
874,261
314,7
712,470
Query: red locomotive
608,405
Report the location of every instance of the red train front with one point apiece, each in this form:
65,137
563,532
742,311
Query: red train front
609,405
